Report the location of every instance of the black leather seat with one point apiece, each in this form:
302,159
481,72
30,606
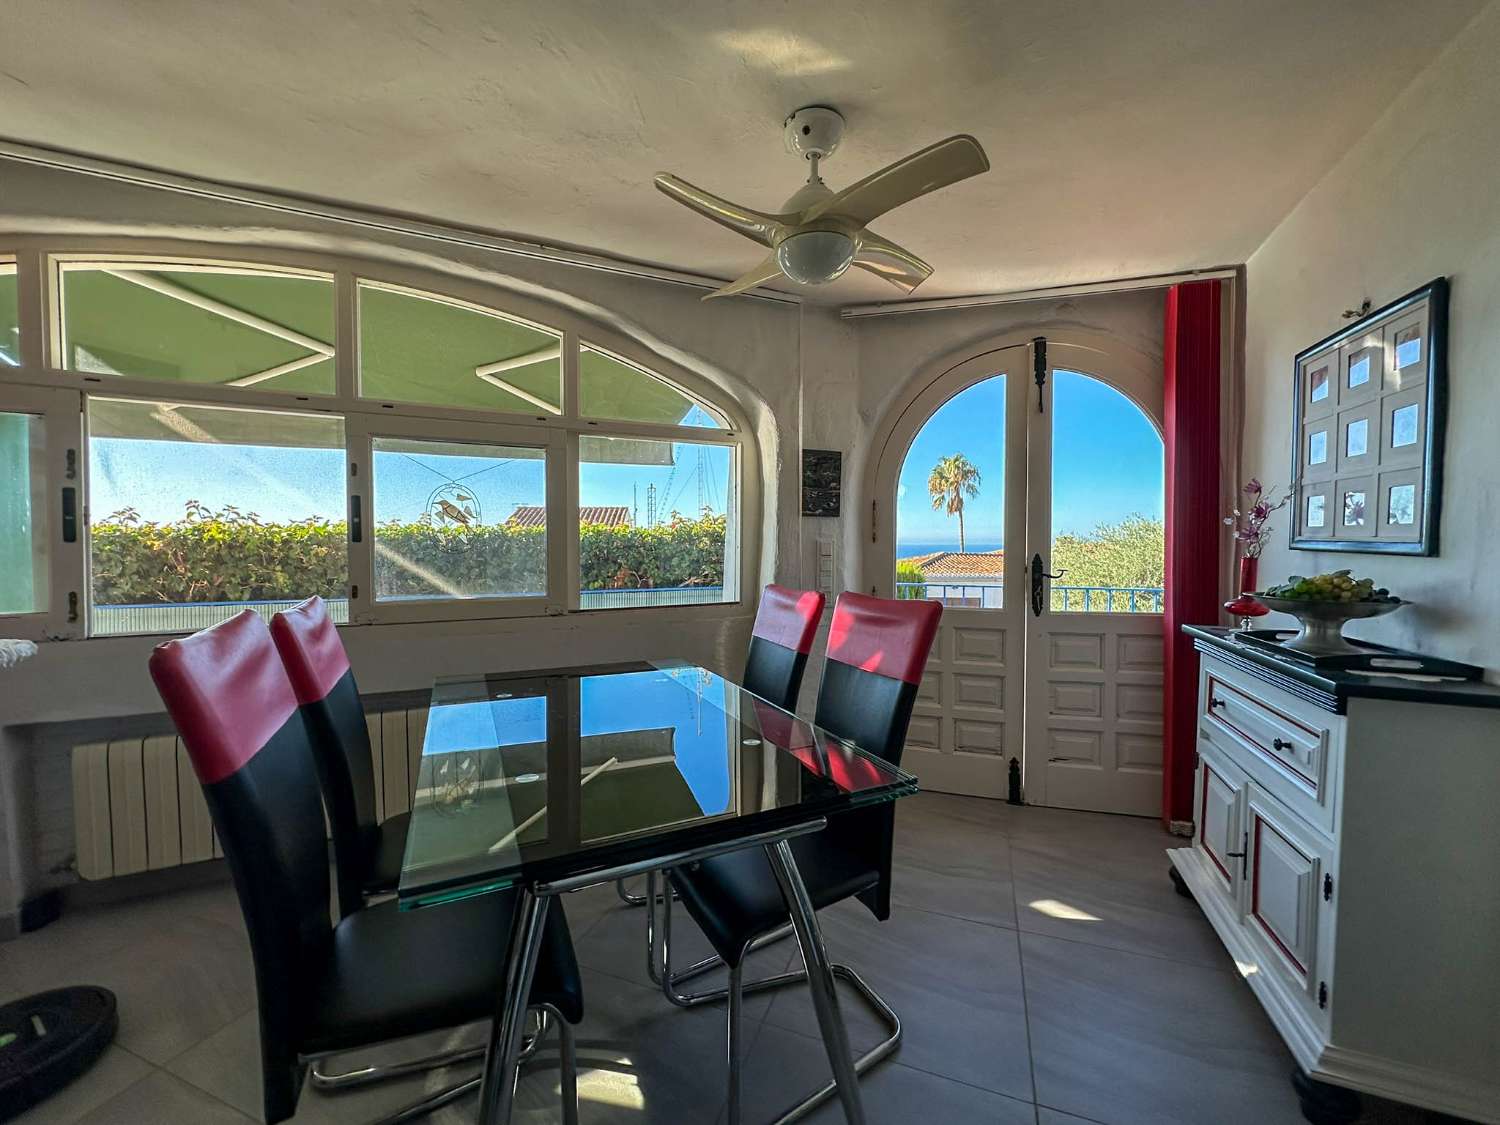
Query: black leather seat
380,973
368,854
389,974
737,897
877,650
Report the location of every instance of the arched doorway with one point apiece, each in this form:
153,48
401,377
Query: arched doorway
1023,487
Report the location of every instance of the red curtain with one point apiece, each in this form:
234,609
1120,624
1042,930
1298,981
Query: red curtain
1193,524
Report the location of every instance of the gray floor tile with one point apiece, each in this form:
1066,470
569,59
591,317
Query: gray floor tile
161,1099
955,984
951,863
1125,1038
113,1072
782,1066
639,1060
1104,900
1045,1116
227,1065
616,944
176,982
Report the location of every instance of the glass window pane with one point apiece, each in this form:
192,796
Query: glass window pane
228,325
1107,500
611,388
417,347
658,522
10,320
23,514
950,503
459,520
197,512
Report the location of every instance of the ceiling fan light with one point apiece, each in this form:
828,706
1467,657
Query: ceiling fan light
815,257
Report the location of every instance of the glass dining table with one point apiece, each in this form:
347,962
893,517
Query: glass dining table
551,781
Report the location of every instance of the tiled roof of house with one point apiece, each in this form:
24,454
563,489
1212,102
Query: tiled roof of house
534,515
944,564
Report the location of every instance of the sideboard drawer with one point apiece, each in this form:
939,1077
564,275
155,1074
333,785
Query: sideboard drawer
1297,747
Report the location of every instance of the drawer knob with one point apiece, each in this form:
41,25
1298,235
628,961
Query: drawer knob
1282,744
1215,702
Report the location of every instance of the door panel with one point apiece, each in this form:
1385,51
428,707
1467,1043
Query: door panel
1220,800
1094,679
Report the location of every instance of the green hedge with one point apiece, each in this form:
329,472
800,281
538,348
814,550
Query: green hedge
229,556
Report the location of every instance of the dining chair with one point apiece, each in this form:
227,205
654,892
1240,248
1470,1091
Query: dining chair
786,622
877,651
379,974
367,853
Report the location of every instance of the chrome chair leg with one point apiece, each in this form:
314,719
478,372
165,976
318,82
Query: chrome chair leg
660,964
634,900
567,1052
327,1083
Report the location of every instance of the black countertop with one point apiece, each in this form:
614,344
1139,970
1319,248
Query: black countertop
1332,690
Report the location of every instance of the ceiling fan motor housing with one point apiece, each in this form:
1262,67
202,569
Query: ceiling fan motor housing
813,130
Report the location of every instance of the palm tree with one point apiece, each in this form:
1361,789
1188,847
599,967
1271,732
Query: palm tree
953,480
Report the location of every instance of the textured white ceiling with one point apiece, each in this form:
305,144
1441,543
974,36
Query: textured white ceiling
1125,138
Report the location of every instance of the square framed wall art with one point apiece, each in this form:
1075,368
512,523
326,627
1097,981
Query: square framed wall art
1369,407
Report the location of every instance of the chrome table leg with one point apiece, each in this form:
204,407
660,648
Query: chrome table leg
819,978
735,1037
498,1091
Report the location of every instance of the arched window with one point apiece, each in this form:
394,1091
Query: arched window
244,449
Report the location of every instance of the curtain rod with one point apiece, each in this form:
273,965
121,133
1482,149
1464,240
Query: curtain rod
368,218
1119,285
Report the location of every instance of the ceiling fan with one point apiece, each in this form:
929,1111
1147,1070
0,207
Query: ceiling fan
819,233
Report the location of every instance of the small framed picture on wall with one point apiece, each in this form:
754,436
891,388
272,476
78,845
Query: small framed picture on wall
822,481
1368,409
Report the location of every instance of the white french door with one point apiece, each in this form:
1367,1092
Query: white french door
1063,676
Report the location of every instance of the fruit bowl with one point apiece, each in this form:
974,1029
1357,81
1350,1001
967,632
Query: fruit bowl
1322,632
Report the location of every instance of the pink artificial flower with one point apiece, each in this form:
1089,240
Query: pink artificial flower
1253,487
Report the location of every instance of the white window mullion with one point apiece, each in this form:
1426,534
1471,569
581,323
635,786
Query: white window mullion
360,500
563,545
345,338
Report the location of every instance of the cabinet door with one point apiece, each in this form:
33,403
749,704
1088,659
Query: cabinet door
1287,865
1220,814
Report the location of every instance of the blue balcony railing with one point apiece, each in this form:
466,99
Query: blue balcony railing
1065,599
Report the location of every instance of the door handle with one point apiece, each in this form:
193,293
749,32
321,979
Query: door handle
1038,574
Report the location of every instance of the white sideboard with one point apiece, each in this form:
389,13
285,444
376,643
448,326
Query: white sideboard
1346,850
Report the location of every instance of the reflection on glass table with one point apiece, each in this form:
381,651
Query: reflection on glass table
545,775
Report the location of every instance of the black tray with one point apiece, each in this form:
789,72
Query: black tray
1373,658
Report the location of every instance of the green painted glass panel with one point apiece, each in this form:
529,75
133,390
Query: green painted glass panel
420,348
241,327
611,388
10,320
23,563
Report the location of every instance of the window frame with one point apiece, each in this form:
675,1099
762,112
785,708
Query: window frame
39,275
359,441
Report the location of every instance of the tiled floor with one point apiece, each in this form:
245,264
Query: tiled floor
1044,968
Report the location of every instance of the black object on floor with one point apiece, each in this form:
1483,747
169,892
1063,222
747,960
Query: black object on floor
49,1039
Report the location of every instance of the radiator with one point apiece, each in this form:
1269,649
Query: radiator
138,807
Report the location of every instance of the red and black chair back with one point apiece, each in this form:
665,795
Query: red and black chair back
237,714
785,625
877,651
318,668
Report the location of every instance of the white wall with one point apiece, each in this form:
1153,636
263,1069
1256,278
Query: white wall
1417,197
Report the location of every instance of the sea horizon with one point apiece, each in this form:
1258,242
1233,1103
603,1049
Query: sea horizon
905,549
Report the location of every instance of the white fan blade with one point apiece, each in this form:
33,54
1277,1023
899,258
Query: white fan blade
896,264
742,220
768,270
936,166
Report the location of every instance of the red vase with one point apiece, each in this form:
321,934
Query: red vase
1245,607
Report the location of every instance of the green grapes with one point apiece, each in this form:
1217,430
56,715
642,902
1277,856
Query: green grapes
1340,586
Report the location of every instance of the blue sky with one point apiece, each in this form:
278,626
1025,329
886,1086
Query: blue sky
158,477
1107,463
